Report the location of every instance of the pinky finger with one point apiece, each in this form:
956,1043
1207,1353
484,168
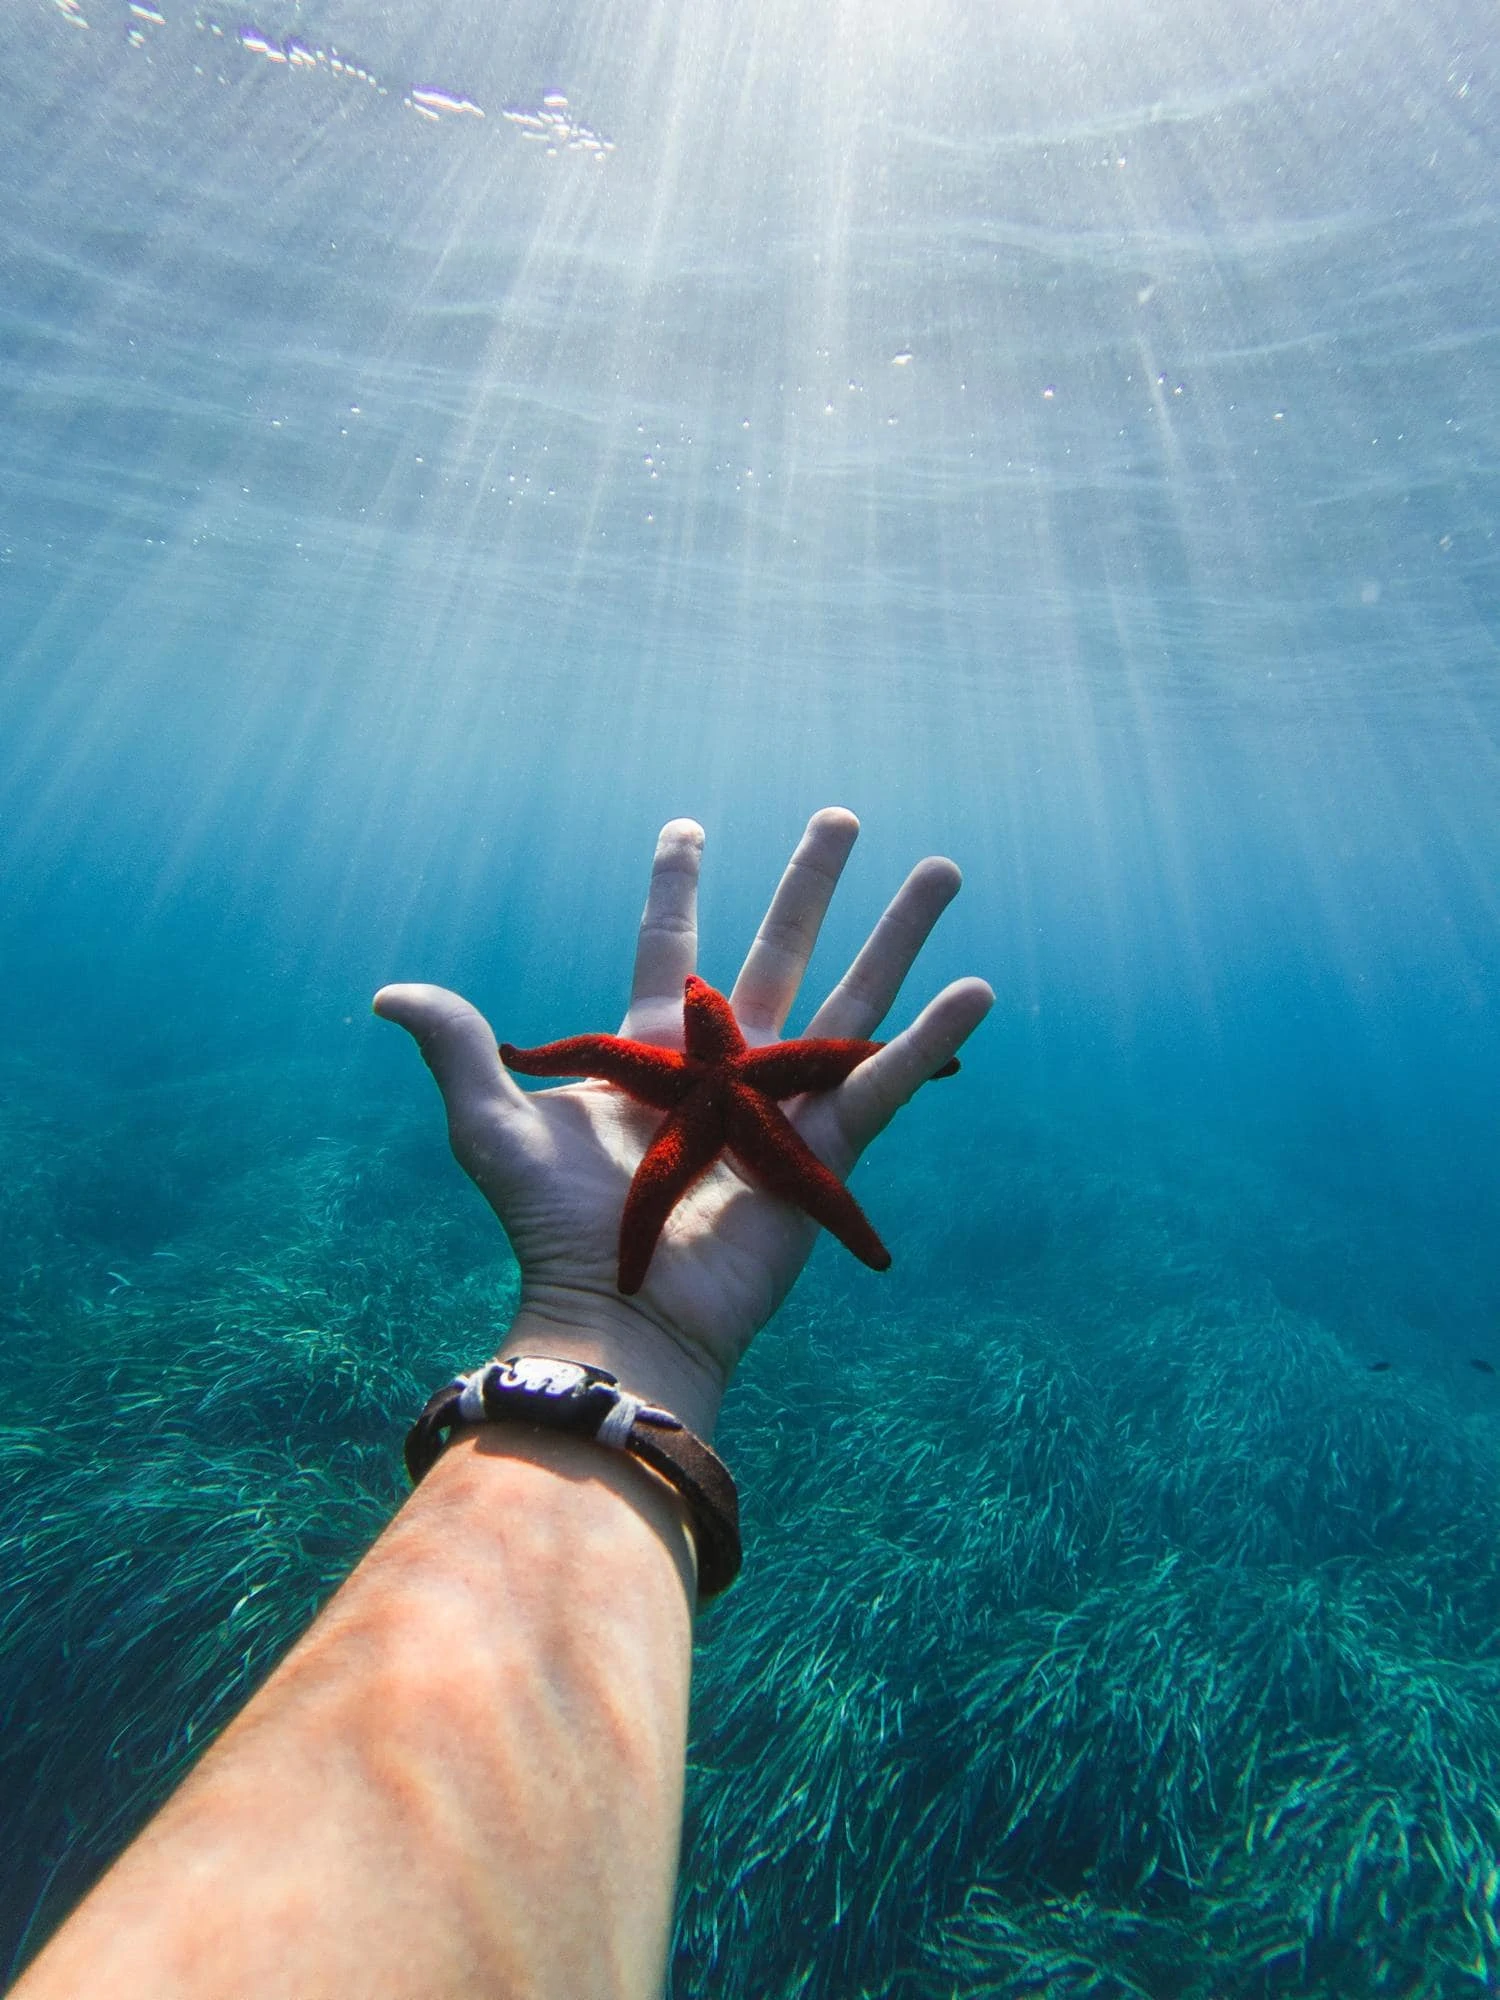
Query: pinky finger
876,1091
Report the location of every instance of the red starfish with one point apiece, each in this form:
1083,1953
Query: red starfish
719,1094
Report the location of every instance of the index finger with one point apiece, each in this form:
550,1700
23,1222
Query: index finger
666,948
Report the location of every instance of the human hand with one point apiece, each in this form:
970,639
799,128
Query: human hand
555,1164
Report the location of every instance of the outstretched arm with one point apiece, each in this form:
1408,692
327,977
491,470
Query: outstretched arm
466,1779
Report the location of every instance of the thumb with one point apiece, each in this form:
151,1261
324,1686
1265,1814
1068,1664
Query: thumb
458,1046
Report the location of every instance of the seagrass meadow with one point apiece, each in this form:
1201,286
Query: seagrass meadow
1109,1626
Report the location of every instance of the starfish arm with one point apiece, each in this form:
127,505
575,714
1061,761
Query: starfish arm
657,1077
763,1140
786,1069
686,1146
709,1028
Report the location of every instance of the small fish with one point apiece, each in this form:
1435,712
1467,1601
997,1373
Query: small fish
1379,1367
1478,1361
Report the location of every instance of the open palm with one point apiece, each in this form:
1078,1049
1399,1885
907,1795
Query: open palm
555,1164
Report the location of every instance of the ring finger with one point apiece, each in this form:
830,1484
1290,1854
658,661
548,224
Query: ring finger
863,997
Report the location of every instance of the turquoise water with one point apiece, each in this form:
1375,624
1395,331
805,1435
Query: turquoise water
439,448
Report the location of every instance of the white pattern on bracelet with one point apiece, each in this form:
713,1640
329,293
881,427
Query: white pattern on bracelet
471,1400
618,1424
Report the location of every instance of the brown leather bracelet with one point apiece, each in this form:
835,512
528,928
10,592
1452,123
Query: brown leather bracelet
588,1402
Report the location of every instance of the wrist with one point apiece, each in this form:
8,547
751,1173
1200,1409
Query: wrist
649,1358
549,1395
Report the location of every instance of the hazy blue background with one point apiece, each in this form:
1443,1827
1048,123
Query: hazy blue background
1066,434
401,516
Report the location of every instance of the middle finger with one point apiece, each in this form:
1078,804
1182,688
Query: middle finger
774,965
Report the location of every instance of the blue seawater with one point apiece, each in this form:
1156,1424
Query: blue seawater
442,444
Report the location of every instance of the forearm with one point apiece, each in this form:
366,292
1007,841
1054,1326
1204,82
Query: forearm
465,1780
